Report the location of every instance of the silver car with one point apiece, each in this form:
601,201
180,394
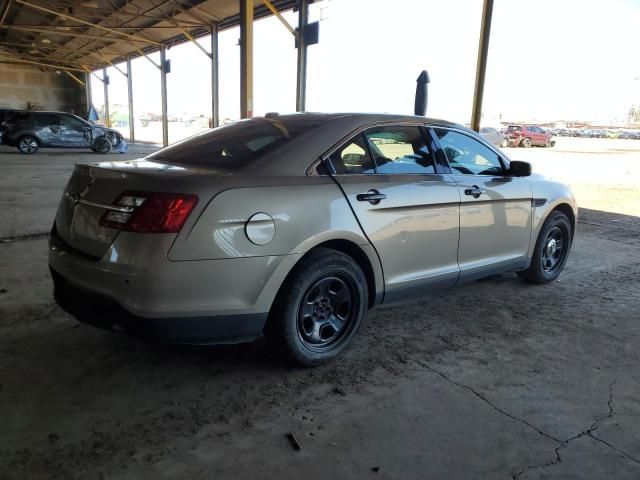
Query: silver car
494,137
293,226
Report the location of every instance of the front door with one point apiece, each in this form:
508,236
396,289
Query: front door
73,132
406,205
495,209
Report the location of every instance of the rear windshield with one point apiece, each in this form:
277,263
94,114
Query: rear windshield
236,146
514,128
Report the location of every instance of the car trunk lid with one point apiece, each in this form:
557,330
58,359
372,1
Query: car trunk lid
92,191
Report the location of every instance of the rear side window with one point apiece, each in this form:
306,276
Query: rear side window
514,128
400,149
45,120
235,146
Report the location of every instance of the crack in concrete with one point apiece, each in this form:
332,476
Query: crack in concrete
26,236
562,443
486,400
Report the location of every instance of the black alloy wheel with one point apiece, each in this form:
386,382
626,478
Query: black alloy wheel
327,312
551,250
319,307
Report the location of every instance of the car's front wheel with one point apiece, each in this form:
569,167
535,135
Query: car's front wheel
504,143
28,144
101,145
551,250
319,307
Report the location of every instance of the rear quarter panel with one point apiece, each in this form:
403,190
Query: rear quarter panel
306,211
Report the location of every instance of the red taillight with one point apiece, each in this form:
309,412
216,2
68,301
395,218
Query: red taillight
150,212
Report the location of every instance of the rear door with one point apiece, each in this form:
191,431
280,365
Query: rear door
47,129
495,209
538,137
406,205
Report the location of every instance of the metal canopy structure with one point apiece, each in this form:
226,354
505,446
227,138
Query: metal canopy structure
83,36
95,33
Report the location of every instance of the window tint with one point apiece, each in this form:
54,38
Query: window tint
399,149
353,157
45,120
238,145
514,128
467,155
69,121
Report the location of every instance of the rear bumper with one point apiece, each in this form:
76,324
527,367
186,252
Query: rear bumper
103,312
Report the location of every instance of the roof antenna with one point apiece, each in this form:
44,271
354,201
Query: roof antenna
422,94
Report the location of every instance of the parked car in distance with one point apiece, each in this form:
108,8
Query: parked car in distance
295,225
528,136
495,137
30,131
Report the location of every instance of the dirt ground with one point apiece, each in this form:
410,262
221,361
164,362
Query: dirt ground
497,379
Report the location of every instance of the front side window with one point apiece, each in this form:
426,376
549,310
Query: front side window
467,155
400,149
353,157
68,121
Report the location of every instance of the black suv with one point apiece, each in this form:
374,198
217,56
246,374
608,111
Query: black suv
30,131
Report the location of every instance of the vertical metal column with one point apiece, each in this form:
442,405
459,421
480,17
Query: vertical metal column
163,94
105,84
246,58
481,67
87,89
132,136
215,105
301,83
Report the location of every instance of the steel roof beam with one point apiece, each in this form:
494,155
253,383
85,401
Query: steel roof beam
21,60
90,24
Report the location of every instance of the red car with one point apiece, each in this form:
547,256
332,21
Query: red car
529,135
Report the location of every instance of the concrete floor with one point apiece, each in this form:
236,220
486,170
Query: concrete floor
498,379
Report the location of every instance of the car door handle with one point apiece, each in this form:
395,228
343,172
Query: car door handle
373,196
474,191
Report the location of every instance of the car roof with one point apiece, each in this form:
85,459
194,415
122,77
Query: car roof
331,128
363,118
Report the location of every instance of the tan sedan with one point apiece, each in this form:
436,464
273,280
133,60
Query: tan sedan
294,226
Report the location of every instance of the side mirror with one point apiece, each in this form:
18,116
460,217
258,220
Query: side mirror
519,169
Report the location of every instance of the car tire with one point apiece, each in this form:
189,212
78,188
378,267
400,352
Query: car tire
319,308
101,145
28,144
526,142
504,143
551,250
547,144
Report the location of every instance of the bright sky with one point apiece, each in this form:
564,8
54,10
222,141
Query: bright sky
548,60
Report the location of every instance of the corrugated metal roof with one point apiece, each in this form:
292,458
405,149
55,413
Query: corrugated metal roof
93,33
